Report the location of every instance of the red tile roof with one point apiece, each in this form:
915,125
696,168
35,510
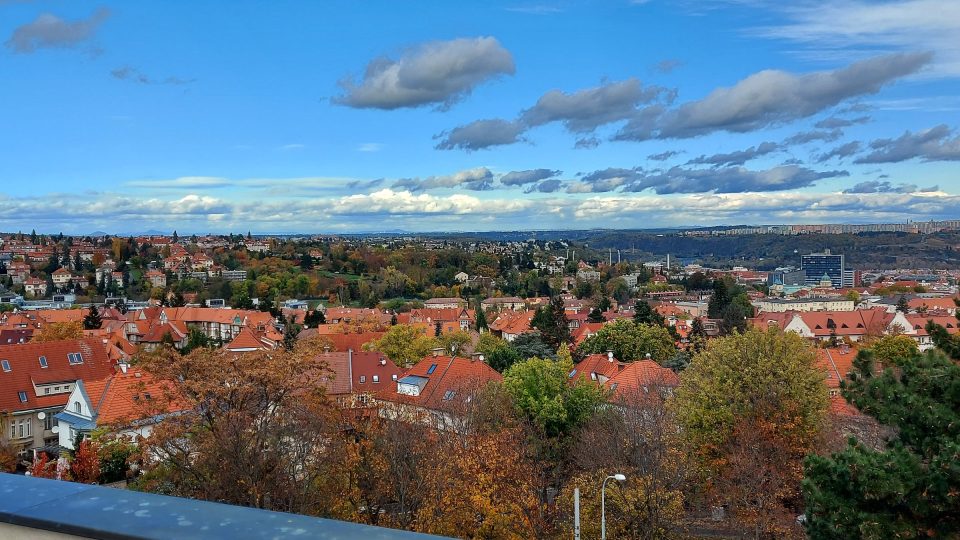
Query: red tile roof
449,381
25,370
638,379
836,363
353,372
124,397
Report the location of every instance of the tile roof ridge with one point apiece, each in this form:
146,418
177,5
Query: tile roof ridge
103,396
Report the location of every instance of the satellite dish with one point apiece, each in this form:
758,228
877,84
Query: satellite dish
41,415
55,429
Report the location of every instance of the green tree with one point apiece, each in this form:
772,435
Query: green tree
540,389
644,314
481,320
403,344
92,320
887,349
551,321
912,488
735,375
596,316
902,305
630,341
455,343
530,344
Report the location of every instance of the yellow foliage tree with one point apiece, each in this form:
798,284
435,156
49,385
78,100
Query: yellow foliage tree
59,332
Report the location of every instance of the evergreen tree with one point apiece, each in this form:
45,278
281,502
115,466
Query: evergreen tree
596,316
176,237
481,320
910,489
902,305
551,321
644,314
33,237
92,320
437,329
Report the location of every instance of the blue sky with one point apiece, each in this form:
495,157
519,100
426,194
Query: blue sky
302,116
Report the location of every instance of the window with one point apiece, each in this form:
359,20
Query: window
572,373
56,388
147,396
363,379
448,395
394,376
5,364
433,367
23,396
376,378
49,421
593,376
75,358
46,390
77,407
43,361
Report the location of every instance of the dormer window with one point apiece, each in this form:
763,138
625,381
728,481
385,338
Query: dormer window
5,364
363,379
43,361
376,378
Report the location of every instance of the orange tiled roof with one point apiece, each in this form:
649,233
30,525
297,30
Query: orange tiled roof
449,381
636,379
121,398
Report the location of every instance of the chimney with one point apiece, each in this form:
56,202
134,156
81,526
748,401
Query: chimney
610,356
383,361
436,351
123,367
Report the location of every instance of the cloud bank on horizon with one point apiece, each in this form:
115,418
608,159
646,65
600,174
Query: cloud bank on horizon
802,114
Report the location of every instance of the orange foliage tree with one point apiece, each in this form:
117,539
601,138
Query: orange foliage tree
59,331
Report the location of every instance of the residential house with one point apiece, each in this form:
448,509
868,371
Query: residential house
130,402
503,303
62,278
510,324
157,278
35,287
18,271
436,390
445,303
355,377
36,380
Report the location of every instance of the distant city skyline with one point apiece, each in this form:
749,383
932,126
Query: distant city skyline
306,117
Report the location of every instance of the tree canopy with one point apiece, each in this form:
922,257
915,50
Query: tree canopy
630,341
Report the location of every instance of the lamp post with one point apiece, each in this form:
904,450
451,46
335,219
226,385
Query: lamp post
603,503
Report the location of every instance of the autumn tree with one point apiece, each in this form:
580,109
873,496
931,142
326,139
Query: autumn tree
497,352
85,466
403,344
42,467
889,348
910,489
761,382
630,341
58,332
455,343
639,438
256,428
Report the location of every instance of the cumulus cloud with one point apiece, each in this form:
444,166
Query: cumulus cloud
842,151
774,97
739,157
132,74
805,137
547,186
663,156
519,178
388,201
476,179
934,144
48,31
877,186
585,110
834,122
730,180
481,134
437,73
579,112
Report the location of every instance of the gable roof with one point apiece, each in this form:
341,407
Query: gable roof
123,397
25,370
448,381
638,378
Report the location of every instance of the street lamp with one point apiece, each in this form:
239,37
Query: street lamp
603,503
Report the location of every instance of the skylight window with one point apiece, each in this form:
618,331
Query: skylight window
75,358
448,395
363,379
23,396
572,373
43,361
433,367
376,378
5,364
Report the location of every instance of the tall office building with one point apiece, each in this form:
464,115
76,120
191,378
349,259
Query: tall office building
817,265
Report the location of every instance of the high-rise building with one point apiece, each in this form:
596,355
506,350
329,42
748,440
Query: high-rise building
817,265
